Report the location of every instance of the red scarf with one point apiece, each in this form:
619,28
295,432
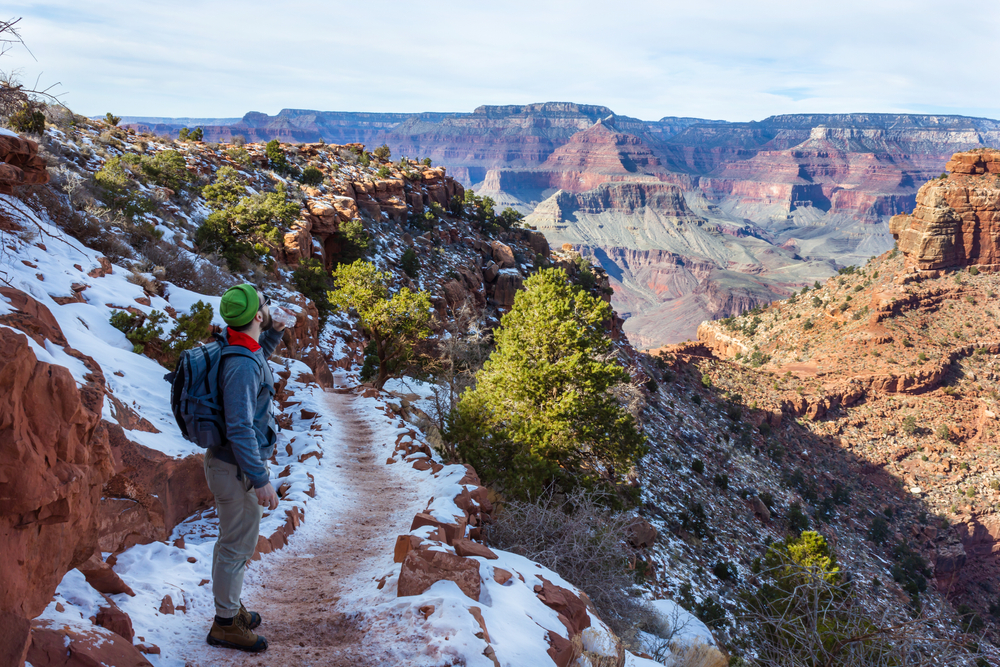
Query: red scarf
243,340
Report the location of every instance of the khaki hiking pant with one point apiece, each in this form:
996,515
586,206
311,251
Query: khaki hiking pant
239,524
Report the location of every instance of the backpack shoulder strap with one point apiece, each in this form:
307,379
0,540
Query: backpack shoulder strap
239,351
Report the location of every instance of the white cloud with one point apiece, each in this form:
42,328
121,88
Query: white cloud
715,58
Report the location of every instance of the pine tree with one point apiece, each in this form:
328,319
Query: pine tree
543,410
394,324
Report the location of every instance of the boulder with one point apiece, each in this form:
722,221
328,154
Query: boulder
165,486
455,293
20,164
537,241
503,255
102,577
53,645
641,534
490,272
572,610
423,567
508,283
110,617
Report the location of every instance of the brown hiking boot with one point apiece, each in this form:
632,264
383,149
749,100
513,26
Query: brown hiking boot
251,618
238,636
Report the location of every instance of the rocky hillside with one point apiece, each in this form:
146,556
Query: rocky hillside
891,366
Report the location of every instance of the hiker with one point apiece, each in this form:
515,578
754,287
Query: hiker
237,471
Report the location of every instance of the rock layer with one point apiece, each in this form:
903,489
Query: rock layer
957,219
20,164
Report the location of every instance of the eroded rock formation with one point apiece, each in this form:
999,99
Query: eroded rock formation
54,459
20,163
956,221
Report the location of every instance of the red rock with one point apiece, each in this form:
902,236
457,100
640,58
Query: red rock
53,646
404,543
956,221
102,577
506,288
501,576
477,614
164,485
15,635
447,532
503,255
572,609
167,605
54,458
466,548
561,650
112,618
422,568
426,610
21,164
641,534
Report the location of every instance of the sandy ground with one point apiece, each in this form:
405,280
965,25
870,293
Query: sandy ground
298,589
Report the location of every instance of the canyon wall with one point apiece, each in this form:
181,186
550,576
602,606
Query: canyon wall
956,221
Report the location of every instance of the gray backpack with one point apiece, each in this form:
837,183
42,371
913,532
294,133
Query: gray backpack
194,394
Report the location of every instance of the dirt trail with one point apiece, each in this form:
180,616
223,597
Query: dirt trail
298,589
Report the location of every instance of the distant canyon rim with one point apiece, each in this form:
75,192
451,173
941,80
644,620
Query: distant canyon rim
693,219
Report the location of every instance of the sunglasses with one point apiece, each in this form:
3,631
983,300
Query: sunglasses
265,302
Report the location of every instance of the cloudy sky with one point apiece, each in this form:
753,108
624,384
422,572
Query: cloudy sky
708,58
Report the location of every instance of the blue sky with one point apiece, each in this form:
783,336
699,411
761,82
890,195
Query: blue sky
709,59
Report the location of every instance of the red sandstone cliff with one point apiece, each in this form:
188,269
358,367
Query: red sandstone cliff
956,221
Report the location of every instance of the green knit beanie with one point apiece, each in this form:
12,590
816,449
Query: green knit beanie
239,305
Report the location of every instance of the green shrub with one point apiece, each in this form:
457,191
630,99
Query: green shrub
166,168
248,229
807,325
27,120
382,153
384,172
354,241
797,519
910,425
239,155
314,283
724,570
509,219
311,176
706,380
694,520
227,189
698,466
119,191
276,156
139,329
974,270
542,411
112,119
943,432
721,480
410,263
878,531
395,323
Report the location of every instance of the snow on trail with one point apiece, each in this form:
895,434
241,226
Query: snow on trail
313,594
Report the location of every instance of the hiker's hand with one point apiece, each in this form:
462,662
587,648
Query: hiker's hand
267,497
